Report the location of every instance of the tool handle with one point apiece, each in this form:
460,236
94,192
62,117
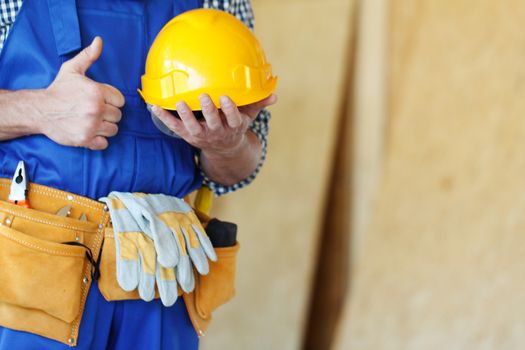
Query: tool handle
221,233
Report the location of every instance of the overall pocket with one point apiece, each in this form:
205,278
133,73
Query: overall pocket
40,274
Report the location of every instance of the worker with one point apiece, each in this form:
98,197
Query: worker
69,108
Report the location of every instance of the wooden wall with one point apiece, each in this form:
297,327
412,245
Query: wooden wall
443,254
280,215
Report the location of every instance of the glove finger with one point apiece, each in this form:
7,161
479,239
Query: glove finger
121,217
168,252
184,270
205,243
167,285
146,282
165,244
199,260
128,274
127,261
149,223
152,226
195,251
148,262
171,224
185,274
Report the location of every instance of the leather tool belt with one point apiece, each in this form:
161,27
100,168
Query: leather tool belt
48,262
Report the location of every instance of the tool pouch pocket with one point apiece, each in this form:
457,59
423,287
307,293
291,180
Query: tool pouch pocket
218,286
211,291
107,283
37,274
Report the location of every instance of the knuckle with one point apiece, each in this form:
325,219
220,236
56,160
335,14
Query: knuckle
234,122
84,139
214,125
184,114
95,90
205,101
95,109
98,143
91,124
85,54
195,133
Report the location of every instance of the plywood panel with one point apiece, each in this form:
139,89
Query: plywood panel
368,111
442,261
280,214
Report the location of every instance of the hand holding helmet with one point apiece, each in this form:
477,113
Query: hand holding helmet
222,131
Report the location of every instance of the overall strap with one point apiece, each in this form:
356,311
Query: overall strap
64,20
188,5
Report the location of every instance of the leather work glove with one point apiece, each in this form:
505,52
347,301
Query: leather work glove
135,252
169,225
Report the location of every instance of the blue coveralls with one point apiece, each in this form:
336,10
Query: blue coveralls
139,158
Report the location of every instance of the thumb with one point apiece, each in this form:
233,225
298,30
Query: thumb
85,58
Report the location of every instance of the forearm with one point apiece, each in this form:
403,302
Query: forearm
19,112
230,168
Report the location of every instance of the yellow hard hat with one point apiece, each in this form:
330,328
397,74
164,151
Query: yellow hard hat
206,51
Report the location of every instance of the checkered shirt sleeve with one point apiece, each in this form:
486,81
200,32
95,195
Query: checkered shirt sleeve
8,11
241,9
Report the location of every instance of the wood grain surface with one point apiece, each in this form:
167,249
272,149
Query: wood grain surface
280,215
443,257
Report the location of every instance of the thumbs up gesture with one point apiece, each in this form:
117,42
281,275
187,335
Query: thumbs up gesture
79,111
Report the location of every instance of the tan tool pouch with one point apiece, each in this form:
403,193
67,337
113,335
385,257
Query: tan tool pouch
39,274
44,282
211,290
218,286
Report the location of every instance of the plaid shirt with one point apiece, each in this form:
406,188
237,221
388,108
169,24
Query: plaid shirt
241,9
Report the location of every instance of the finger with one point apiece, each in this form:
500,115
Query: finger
195,252
128,274
112,96
112,114
147,280
253,109
167,285
205,242
127,261
231,112
185,274
167,118
108,129
190,122
85,58
210,112
98,143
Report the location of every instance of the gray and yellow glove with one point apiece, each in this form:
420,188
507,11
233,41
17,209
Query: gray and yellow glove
157,238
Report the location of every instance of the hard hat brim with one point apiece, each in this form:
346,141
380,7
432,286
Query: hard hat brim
239,97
